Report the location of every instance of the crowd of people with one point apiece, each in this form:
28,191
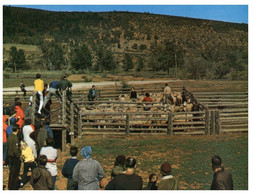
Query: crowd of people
33,145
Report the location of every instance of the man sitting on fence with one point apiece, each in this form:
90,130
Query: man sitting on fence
39,87
65,85
53,90
147,99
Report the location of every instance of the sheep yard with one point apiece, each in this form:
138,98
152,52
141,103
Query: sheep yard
146,135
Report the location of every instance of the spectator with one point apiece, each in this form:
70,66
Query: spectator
14,153
167,94
29,161
28,111
22,88
92,93
52,156
4,140
133,94
39,87
17,99
53,90
20,117
42,134
65,85
119,166
152,182
168,182
9,128
88,172
68,168
41,178
27,130
128,180
47,122
222,179
147,99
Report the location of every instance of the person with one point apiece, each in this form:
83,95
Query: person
52,156
29,161
68,168
92,93
53,90
152,182
127,180
41,178
119,166
4,140
65,85
222,179
168,181
42,134
28,111
22,88
27,130
167,94
17,99
9,128
147,98
38,88
20,117
47,122
14,153
88,172
133,94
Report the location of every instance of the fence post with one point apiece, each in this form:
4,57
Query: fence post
207,132
217,122
127,124
33,108
212,123
64,107
63,138
79,123
170,124
72,134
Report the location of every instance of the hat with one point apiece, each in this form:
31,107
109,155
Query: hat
166,168
86,152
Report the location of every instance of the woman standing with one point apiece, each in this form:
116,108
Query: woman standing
88,172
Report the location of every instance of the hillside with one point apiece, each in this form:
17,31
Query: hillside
202,48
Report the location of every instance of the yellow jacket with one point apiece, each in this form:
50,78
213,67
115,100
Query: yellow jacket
38,85
27,155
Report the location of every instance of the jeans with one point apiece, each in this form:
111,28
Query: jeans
54,180
51,92
27,165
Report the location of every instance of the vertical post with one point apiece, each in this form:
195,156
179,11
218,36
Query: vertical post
127,124
79,123
64,107
217,122
207,132
212,123
63,138
170,124
33,107
72,134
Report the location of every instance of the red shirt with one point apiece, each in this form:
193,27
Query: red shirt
147,99
4,129
20,115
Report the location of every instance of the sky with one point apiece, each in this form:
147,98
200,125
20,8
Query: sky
229,13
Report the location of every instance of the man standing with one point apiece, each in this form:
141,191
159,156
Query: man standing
14,153
39,87
92,93
168,181
167,93
222,179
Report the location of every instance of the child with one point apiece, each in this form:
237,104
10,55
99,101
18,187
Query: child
41,178
68,168
29,161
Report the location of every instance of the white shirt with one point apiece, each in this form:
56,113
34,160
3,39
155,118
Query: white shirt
27,130
52,155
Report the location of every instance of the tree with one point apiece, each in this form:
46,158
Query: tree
140,64
105,60
127,62
17,58
81,58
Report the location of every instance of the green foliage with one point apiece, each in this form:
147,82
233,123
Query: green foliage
17,59
140,64
81,58
105,61
127,62
135,46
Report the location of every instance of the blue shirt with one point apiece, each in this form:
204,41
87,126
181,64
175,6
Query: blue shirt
54,84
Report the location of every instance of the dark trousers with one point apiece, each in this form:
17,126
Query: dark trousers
27,165
72,185
54,180
24,91
15,164
4,152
